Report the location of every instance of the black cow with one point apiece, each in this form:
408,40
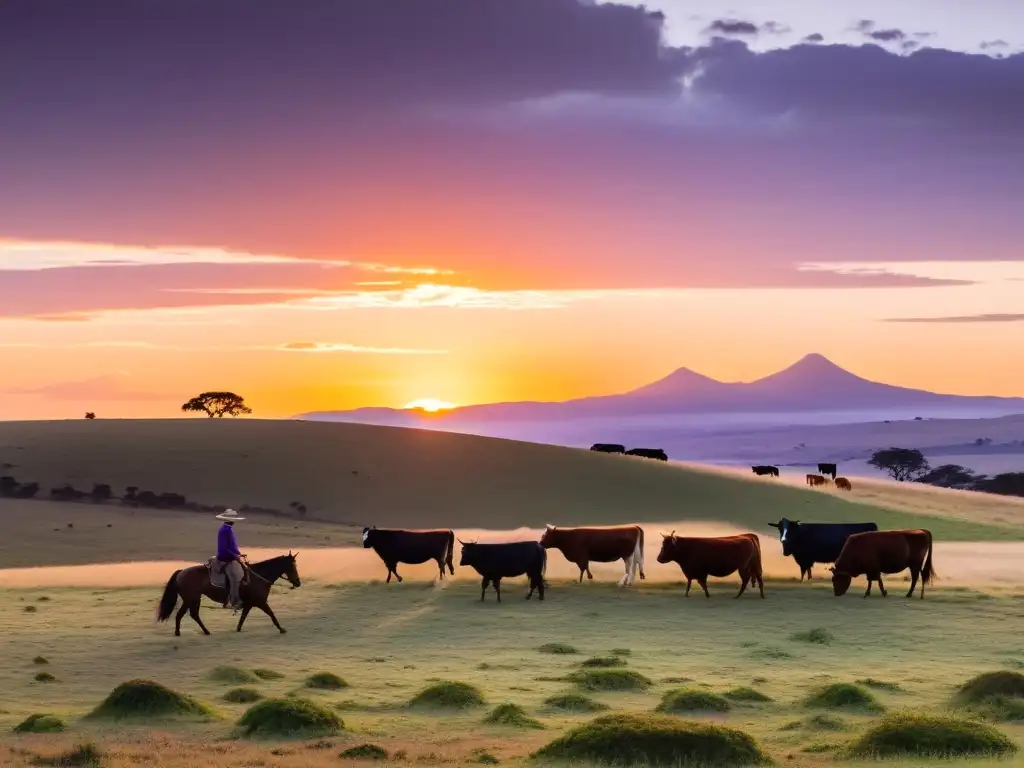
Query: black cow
810,543
828,469
765,469
396,546
498,561
608,448
648,453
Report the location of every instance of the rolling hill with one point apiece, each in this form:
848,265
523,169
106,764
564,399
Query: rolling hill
353,475
812,384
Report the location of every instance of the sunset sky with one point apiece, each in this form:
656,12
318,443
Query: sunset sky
334,203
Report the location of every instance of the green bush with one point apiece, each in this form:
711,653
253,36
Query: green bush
557,648
365,752
512,715
603,662
44,677
42,723
994,695
267,674
610,680
575,703
880,685
747,695
912,735
633,739
685,700
448,694
232,675
325,681
242,695
82,756
146,699
844,696
288,718
40,660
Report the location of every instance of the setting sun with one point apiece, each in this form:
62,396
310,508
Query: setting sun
429,404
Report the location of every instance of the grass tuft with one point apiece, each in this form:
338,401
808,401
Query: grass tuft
44,677
448,694
826,723
325,681
747,695
557,649
603,662
610,680
242,695
816,636
232,675
993,695
633,739
913,735
685,700
620,652
40,660
289,718
512,715
574,703
41,723
844,696
82,756
881,685
142,699
267,674
365,752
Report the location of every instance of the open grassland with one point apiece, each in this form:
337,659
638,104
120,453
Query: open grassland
776,669
354,475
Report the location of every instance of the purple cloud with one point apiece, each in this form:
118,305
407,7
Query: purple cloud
986,318
887,35
990,44
814,37
731,27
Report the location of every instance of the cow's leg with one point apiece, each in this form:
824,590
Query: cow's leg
193,611
809,568
881,586
389,573
241,620
689,583
533,585
394,569
914,574
703,581
497,587
743,584
590,576
177,619
540,585
583,570
624,581
483,587
440,566
869,587
760,584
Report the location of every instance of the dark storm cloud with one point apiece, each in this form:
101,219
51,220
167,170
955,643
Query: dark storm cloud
887,35
815,37
731,27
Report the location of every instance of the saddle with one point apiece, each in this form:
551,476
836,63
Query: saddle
218,579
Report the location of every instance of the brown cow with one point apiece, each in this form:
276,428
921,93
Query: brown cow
876,552
584,546
815,480
843,484
700,557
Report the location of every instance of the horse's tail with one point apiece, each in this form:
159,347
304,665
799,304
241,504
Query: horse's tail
169,598
450,552
928,572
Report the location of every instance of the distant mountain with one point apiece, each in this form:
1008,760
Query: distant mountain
812,384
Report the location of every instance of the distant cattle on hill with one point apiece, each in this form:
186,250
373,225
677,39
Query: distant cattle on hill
608,448
815,480
701,557
648,453
828,469
875,553
395,546
765,469
810,543
844,484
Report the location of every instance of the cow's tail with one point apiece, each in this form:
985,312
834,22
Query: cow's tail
450,552
928,572
638,557
169,599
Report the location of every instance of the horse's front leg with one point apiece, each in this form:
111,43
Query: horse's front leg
266,609
241,621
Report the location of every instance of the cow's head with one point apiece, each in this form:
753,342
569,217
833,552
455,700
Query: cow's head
469,552
368,536
787,531
840,582
549,537
668,545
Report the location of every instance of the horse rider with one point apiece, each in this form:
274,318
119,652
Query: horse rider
229,556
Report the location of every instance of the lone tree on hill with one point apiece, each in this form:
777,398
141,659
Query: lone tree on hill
901,463
90,415
218,404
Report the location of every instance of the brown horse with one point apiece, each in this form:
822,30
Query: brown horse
194,582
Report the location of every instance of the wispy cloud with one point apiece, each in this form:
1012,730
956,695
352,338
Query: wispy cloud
994,317
316,347
108,387
462,297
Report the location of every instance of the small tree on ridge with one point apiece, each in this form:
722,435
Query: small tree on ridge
901,463
217,404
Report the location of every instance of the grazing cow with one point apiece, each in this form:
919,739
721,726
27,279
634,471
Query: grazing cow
396,546
843,484
648,453
700,557
608,448
827,469
498,561
765,469
584,546
815,480
876,552
810,543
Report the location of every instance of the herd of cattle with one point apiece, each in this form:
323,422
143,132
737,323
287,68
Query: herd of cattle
643,453
824,472
855,549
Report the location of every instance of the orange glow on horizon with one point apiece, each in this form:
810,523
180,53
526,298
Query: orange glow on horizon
429,404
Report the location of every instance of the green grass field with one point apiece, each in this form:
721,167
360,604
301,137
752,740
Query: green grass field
62,651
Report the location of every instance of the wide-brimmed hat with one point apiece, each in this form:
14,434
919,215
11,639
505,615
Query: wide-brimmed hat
229,515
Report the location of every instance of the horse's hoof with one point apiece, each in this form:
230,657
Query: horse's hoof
283,630
177,634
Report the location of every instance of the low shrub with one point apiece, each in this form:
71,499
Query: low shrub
448,694
912,735
289,718
557,648
232,675
816,636
881,685
844,696
747,695
685,700
325,681
610,680
140,699
42,723
512,715
267,674
82,756
633,739
242,695
365,752
575,703
44,677
603,662
993,695
40,660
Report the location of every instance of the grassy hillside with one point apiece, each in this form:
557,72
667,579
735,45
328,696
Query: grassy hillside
356,475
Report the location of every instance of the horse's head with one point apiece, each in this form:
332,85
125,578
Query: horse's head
292,570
